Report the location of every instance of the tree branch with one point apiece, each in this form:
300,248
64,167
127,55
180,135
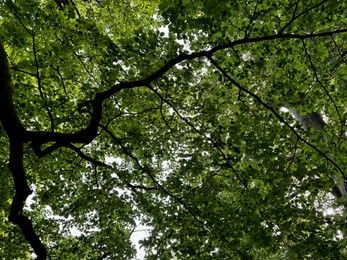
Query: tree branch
217,147
90,132
294,17
18,134
280,118
15,131
322,86
86,157
180,201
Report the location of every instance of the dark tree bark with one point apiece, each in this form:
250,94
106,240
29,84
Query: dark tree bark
16,134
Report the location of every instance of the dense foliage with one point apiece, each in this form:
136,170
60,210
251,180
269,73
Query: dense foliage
176,114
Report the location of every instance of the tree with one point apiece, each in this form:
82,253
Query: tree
177,115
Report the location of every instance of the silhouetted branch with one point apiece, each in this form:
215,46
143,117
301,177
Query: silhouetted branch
86,157
294,17
18,135
169,194
280,118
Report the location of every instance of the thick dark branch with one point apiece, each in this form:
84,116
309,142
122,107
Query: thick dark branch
88,134
8,115
84,136
15,132
18,135
184,57
22,192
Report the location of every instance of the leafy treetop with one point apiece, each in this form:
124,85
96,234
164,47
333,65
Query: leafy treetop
176,115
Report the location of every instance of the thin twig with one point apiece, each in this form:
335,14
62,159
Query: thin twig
294,17
323,87
39,83
169,194
200,133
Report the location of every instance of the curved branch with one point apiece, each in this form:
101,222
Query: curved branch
21,194
18,135
280,118
15,131
90,132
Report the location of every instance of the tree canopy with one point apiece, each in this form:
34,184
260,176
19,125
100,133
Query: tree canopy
220,125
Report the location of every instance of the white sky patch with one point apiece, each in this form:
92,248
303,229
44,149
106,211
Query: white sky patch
140,233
